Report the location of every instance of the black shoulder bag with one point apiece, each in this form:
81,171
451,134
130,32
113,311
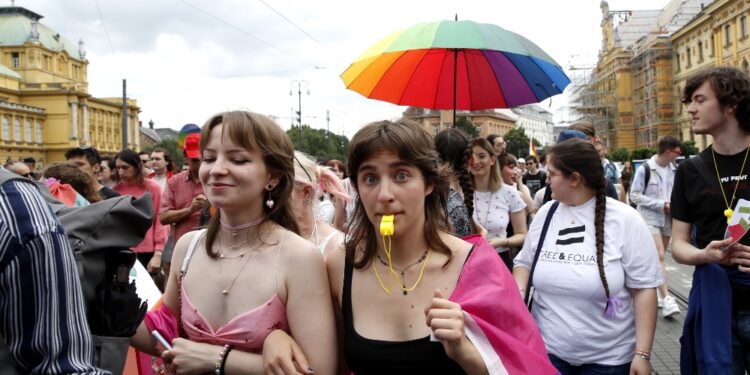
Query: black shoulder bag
529,297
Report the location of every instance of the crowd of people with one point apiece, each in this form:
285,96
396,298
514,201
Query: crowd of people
420,254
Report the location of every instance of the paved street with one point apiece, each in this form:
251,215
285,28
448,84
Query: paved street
666,351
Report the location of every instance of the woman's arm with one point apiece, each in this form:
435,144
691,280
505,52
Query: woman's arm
518,219
644,306
521,275
309,300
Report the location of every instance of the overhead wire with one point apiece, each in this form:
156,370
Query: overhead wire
104,25
258,39
289,21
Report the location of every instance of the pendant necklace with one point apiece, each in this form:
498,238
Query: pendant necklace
728,212
403,270
251,251
486,213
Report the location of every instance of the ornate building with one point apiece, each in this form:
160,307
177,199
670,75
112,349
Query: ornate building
486,121
717,36
45,107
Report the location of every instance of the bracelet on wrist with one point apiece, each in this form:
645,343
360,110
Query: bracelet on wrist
224,360
643,354
219,364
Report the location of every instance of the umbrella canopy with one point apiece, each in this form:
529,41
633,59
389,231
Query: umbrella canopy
456,65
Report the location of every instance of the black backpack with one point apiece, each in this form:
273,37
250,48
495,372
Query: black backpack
97,233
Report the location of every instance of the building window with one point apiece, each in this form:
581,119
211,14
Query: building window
17,130
687,63
15,59
435,130
700,51
677,60
38,132
743,26
6,128
27,131
478,129
727,37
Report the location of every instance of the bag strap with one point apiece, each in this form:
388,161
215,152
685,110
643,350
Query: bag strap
702,168
190,250
539,244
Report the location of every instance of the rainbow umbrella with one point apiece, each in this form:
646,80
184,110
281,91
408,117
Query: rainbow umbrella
456,65
186,130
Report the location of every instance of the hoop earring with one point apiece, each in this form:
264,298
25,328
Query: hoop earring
269,200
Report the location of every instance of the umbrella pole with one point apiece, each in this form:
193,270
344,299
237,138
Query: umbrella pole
455,70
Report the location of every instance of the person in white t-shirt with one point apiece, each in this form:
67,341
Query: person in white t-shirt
495,204
596,274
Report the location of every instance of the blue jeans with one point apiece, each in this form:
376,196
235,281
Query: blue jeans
566,368
741,342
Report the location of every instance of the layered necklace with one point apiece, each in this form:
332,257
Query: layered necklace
728,212
403,270
234,232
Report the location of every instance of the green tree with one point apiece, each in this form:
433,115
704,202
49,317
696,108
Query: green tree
517,143
620,154
642,153
464,124
173,149
318,144
688,148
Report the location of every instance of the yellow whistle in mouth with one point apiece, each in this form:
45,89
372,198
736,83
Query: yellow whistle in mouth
386,225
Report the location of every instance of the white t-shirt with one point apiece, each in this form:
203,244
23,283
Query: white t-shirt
666,189
492,210
569,298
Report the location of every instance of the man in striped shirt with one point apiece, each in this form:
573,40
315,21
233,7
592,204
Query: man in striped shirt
42,319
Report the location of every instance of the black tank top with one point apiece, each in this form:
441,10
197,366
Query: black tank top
365,356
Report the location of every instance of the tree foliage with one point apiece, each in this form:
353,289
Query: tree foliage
316,143
620,154
517,143
688,148
464,124
173,149
642,153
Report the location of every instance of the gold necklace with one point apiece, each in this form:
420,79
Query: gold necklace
728,212
225,291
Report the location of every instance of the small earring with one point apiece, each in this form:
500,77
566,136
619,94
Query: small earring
269,187
269,201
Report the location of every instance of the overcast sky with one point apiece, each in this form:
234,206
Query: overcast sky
188,59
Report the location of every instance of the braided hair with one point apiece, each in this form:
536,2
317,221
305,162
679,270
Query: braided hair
454,148
579,156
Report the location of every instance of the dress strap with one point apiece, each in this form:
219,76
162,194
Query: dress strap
191,249
328,238
346,297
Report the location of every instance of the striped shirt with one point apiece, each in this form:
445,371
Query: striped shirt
42,317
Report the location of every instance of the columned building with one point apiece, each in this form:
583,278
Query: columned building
486,121
45,107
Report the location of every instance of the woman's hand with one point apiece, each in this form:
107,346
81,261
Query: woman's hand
740,255
155,263
446,320
187,357
640,366
282,355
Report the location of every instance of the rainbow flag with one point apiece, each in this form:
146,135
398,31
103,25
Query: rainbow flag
532,149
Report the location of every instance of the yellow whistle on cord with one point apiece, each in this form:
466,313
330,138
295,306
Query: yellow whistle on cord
386,225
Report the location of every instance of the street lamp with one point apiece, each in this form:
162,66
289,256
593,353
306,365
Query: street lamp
300,84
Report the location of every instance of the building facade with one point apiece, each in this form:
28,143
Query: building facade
45,107
536,122
486,121
718,36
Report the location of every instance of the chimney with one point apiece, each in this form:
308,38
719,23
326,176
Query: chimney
151,124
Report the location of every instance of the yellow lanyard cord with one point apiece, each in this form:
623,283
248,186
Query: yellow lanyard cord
728,212
390,266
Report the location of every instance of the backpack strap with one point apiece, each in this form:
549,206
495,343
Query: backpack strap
190,250
530,284
702,168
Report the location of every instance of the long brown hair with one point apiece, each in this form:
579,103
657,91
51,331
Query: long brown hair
454,148
257,132
414,146
577,155
496,180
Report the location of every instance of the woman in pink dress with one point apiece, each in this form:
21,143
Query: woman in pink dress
132,182
249,273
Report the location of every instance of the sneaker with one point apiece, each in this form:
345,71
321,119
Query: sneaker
660,302
670,307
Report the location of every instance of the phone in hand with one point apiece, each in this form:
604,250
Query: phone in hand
161,339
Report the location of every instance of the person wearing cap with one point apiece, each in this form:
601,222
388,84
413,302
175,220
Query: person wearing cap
183,196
